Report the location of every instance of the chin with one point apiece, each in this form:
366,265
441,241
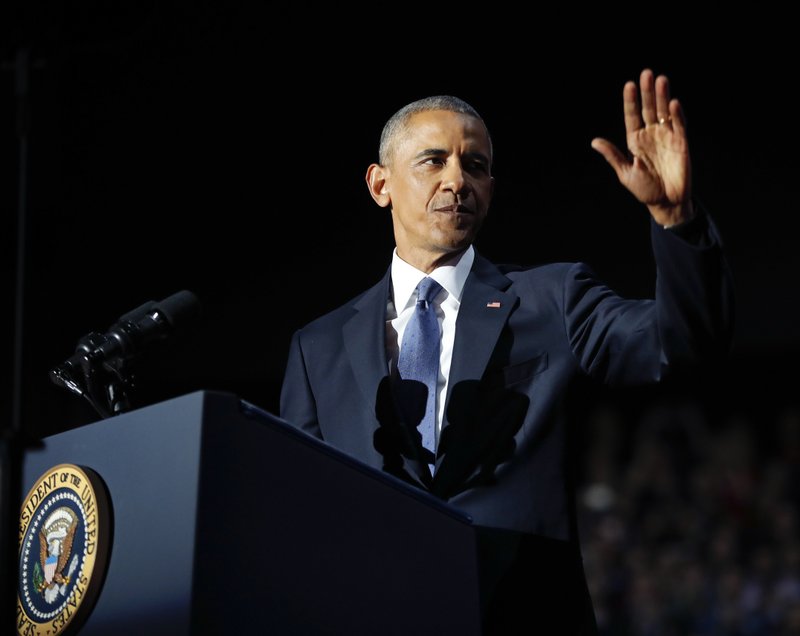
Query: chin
456,245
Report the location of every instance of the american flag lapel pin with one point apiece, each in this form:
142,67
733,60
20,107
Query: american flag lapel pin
495,304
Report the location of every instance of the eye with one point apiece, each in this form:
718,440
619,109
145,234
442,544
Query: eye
434,161
477,166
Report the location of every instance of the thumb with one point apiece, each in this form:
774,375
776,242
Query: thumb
613,155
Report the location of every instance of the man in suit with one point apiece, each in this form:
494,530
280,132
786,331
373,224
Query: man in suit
511,342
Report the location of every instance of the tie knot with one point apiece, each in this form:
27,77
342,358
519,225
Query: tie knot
427,290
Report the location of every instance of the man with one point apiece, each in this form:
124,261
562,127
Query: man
510,342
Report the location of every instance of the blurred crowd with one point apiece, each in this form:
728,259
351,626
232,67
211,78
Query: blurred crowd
689,523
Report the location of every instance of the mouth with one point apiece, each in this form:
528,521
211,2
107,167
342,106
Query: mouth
455,208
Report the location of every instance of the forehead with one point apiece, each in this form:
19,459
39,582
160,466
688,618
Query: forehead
445,130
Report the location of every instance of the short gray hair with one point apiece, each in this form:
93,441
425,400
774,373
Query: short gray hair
398,123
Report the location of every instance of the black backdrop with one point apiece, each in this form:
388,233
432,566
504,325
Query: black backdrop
222,149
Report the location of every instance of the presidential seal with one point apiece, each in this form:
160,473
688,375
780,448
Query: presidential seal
64,536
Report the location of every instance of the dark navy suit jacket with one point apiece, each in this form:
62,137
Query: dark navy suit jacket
522,336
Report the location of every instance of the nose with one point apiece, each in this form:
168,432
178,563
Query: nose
453,178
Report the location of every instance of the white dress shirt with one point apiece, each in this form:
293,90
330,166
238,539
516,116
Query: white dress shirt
451,276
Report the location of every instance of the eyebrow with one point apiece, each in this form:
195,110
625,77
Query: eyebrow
438,152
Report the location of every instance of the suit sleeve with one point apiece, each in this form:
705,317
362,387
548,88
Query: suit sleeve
297,403
689,322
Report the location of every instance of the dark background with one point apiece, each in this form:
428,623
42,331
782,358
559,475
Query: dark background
222,149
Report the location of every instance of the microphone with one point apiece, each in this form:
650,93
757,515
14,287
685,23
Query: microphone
130,335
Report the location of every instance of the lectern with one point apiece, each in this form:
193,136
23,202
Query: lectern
225,519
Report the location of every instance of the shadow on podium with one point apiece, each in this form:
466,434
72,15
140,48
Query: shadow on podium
222,518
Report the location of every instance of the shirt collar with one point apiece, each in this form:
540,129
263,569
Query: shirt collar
451,275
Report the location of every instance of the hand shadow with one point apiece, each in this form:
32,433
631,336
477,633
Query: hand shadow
397,437
483,418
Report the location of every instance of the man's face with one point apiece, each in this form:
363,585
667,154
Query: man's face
439,185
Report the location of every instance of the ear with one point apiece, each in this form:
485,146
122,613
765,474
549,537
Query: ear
377,181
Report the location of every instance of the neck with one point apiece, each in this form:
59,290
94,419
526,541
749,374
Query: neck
427,262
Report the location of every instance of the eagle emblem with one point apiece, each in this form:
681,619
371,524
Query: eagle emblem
55,549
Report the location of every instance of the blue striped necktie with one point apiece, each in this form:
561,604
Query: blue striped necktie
418,367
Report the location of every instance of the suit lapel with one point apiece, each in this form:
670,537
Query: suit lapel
365,341
484,311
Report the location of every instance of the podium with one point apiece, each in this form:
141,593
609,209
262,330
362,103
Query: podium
227,520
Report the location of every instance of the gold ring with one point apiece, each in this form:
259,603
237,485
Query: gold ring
662,120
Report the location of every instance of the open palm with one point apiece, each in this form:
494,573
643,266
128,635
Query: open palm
657,170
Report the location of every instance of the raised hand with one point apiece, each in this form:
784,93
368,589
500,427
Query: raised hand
657,169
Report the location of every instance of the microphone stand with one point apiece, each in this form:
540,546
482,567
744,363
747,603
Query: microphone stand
104,384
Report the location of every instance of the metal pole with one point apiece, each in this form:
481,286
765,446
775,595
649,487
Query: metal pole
11,452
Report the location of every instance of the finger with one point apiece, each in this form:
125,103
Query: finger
630,104
612,154
662,99
648,97
678,118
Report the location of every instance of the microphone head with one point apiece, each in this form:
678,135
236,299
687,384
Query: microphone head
137,314
179,309
150,322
